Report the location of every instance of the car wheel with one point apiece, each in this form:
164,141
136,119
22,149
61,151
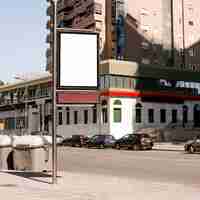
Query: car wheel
191,149
136,147
117,146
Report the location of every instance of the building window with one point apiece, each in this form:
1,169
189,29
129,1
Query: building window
174,116
138,117
60,118
162,116
67,116
104,112
117,115
75,117
117,111
85,116
94,115
151,115
117,103
185,115
105,115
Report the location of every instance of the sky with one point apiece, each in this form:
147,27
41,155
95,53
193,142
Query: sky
22,37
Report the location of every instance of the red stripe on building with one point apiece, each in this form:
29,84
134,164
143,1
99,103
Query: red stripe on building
111,93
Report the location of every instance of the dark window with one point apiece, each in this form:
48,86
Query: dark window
185,114
191,23
75,117
85,116
94,116
151,115
138,117
162,115
174,116
67,116
117,115
105,115
104,111
117,103
60,118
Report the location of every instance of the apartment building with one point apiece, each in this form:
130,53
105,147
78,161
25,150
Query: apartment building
80,14
161,32
157,32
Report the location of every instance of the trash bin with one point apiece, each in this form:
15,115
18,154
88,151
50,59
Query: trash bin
6,153
31,153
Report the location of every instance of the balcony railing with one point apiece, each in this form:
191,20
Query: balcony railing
4,101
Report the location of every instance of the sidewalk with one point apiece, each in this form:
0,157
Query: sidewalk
75,186
167,146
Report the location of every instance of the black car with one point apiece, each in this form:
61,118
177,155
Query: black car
75,141
135,142
193,146
101,141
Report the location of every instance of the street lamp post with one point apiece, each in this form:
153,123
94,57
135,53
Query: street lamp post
183,32
54,147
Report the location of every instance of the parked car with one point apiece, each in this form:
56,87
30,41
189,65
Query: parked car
75,140
135,142
101,141
193,146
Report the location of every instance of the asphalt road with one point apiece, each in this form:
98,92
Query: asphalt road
163,166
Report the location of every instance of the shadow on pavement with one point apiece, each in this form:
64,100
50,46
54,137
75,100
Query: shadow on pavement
41,177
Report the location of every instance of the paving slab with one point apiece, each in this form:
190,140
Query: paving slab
82,186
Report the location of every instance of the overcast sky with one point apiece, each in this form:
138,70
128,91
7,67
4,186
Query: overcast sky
22,37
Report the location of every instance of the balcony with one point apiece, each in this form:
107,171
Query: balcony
50,11
83,7
49,38
49,52
85,22
49,24
68,15
49,67
63,4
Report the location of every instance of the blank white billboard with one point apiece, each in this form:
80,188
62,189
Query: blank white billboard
78,62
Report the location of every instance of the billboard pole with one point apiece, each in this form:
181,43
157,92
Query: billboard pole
54,128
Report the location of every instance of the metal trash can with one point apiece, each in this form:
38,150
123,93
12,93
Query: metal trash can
6,153
31,153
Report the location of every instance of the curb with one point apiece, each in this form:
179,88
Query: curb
163,149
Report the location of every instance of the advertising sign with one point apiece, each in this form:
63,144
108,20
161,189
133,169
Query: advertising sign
77,60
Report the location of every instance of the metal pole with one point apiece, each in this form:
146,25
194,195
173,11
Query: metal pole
54,147
183,29
99,112
172,33
26,118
